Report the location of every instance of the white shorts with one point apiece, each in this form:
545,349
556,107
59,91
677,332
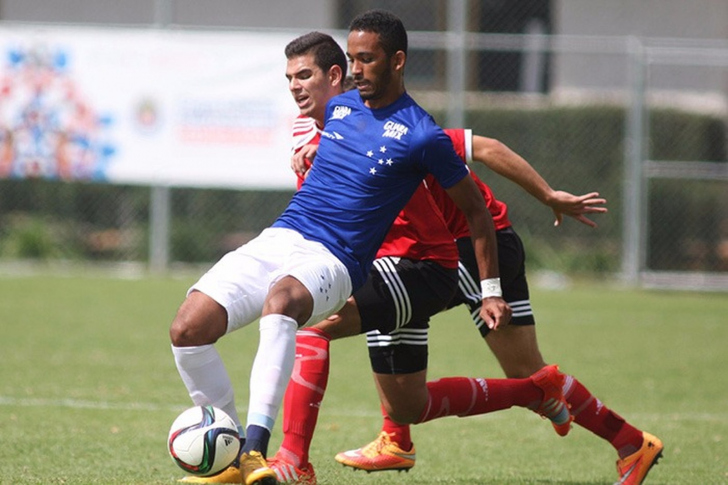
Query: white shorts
240,281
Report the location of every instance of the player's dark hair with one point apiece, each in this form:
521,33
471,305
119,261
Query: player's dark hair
391,31
326,51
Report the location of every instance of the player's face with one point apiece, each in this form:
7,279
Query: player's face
372,70
309,85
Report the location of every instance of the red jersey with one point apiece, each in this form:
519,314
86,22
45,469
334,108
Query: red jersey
419,232
454,218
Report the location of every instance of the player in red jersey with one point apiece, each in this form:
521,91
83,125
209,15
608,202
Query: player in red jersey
514,345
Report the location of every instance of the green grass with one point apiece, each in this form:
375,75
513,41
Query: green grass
88,387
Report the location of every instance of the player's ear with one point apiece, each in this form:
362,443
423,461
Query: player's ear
336,77
398,60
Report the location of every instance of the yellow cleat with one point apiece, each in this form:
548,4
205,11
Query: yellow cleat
634,468
380,455
231,474
255,470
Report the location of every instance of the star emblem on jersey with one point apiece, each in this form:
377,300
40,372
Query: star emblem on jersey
382,162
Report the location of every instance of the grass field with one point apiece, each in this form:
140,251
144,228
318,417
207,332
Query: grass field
88,387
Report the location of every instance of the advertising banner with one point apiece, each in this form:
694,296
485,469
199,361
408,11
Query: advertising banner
151,107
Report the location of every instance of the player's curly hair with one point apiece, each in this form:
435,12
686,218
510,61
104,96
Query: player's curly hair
326,51
391,31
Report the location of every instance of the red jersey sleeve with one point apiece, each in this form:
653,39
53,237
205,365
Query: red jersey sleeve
455,219
305,132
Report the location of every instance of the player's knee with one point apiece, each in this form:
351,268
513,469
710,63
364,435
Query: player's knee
197,325
181,334
290,298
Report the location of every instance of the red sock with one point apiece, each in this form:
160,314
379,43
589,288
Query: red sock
304,394
462,396
589,412
399,433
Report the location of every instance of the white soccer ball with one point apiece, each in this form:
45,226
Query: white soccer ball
203,440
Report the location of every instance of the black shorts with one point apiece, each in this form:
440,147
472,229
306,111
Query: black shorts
512,268
395,305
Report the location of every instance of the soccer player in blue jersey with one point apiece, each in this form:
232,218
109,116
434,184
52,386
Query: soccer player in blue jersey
376,148
315,76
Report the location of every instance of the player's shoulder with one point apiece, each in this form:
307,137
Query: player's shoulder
305,131
419,116
348,98
303,124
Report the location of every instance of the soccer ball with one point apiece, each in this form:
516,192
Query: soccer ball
203,440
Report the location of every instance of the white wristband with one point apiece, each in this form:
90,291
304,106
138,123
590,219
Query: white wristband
491,287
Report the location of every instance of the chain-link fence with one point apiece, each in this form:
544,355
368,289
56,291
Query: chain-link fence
610,114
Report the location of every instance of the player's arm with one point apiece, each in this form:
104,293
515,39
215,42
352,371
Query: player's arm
498,157
495,311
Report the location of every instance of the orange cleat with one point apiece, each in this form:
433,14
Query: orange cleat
553,405
634,468
380,455
290,474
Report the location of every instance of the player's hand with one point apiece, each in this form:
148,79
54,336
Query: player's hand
495,312
576,206
301,160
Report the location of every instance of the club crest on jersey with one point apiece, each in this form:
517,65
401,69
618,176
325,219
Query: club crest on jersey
340,112
394,130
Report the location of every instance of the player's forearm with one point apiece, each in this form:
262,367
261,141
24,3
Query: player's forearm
469,200
485,246
502,160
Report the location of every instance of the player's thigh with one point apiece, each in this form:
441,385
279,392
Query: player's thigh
242,280
511,264
323,275
239,283
404,396
516,348
400,290
346,322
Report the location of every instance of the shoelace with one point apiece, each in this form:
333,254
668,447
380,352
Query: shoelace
373,448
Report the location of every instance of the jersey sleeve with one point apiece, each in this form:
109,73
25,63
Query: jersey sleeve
305,132
439,155
462,141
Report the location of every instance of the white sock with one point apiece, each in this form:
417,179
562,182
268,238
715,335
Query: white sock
206,378
271,369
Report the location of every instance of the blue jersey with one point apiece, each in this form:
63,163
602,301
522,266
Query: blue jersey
368,165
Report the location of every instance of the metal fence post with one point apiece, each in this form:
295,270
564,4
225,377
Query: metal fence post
159,207
456,27
159,217
634,154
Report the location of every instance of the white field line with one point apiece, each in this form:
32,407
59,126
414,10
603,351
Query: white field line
130,406
353,413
